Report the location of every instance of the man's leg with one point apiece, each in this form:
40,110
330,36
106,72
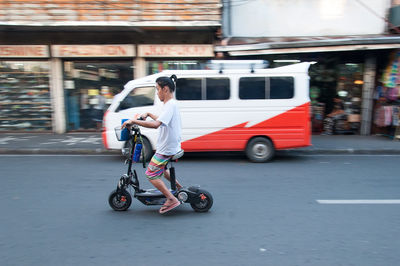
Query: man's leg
159,184
167,176
154,172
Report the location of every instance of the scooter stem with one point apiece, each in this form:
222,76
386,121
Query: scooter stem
172,177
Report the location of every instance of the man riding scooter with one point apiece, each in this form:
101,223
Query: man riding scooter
169,139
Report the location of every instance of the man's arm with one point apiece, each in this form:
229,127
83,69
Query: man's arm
149,124
152,116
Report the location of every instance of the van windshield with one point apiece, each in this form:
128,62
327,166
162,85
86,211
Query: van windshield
140,96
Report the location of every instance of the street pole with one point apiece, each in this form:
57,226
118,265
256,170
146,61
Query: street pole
367,94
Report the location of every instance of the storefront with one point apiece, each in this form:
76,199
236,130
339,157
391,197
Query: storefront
336,90
87,55
336,80
89,87
64,88
387,99
25,95
92,75
346,67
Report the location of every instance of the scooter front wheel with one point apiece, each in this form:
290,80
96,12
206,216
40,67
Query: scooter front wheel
205,203
120,200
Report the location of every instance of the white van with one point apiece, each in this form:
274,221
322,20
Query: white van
256,111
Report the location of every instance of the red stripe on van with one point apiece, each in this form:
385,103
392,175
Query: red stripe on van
291,129
104,131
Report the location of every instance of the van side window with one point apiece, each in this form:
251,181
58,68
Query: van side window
255,88
281,87
217,88
141,96
188,89
252,88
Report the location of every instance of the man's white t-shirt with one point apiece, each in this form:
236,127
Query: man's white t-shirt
169,136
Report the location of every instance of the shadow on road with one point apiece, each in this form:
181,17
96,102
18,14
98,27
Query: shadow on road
228,156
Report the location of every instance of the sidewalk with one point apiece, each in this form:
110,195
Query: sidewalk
91,143
350,144
50,143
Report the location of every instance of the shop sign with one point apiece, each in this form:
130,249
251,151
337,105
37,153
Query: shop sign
184,50
123,50
24,51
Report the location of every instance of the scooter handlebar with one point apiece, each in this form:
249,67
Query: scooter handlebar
136,127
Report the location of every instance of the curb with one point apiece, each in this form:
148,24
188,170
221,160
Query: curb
343,151
72,151
100,151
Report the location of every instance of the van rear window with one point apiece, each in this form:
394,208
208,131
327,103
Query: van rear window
256,88
281,88
202,89
252,88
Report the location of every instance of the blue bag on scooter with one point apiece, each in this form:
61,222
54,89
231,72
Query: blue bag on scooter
138,151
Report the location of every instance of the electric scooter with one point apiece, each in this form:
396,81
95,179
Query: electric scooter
120,199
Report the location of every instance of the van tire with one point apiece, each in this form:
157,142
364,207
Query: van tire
148,150
260,150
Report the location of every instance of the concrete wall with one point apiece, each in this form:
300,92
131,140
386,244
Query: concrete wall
275,18
154,13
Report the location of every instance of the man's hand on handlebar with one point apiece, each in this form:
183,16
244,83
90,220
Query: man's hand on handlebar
127,124
131,122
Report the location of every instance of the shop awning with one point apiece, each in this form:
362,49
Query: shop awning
266,46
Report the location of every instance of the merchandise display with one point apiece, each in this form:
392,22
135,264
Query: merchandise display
25,96
387,96
330,80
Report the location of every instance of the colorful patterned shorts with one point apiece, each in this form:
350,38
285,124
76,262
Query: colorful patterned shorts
156,167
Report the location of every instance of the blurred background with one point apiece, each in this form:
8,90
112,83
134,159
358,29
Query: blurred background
61,62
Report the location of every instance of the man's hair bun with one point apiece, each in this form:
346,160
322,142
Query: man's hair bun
174,78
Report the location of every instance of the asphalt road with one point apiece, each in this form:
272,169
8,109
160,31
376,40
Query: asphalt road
54,211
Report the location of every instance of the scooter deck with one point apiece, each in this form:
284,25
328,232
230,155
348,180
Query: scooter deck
152,193
152,197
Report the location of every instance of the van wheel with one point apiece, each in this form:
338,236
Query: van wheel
260,150
148,150
126,149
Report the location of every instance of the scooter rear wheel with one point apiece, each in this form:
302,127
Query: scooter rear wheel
205,203
120,201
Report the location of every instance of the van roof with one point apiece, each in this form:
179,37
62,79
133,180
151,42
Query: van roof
289,69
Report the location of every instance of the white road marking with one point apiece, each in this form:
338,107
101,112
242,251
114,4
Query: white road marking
5,140
360,201
69,141
350,155
59,155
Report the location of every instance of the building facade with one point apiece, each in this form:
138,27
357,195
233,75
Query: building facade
61,62
351,41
